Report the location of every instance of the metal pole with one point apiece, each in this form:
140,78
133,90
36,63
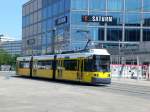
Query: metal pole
138,70
119,52
119,69
53,40
46,43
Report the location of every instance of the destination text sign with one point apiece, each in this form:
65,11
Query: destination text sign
92,18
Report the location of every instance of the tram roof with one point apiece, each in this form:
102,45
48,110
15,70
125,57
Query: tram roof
88,53
27,58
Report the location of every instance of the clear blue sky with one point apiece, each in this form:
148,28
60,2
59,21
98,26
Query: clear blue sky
11,17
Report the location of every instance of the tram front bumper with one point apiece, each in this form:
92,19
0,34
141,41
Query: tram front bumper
101,80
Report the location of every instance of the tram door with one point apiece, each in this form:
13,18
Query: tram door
31,66
80,64
60,68
35,67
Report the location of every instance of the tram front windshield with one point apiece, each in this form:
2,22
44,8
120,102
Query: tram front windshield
101,63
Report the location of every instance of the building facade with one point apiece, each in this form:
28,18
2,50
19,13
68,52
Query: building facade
12,47
56,25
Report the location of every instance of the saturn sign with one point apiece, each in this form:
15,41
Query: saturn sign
91,18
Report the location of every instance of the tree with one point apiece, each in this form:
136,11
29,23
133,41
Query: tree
7,59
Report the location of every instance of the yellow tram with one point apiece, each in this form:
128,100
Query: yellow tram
91,66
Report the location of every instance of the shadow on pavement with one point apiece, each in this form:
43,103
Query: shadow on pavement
74,83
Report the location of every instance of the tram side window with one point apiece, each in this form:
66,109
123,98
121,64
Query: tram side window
70,65
24,64
44,65
88,65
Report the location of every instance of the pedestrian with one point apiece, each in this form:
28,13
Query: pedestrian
132,75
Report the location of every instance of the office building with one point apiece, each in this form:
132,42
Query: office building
57,25
11,47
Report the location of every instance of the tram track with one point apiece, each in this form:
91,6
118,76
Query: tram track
127,89
130,88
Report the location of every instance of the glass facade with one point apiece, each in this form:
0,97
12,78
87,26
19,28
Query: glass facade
115,5
79,5
97,5
38,24
114,34
133,5
58,23
146,34
132,35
